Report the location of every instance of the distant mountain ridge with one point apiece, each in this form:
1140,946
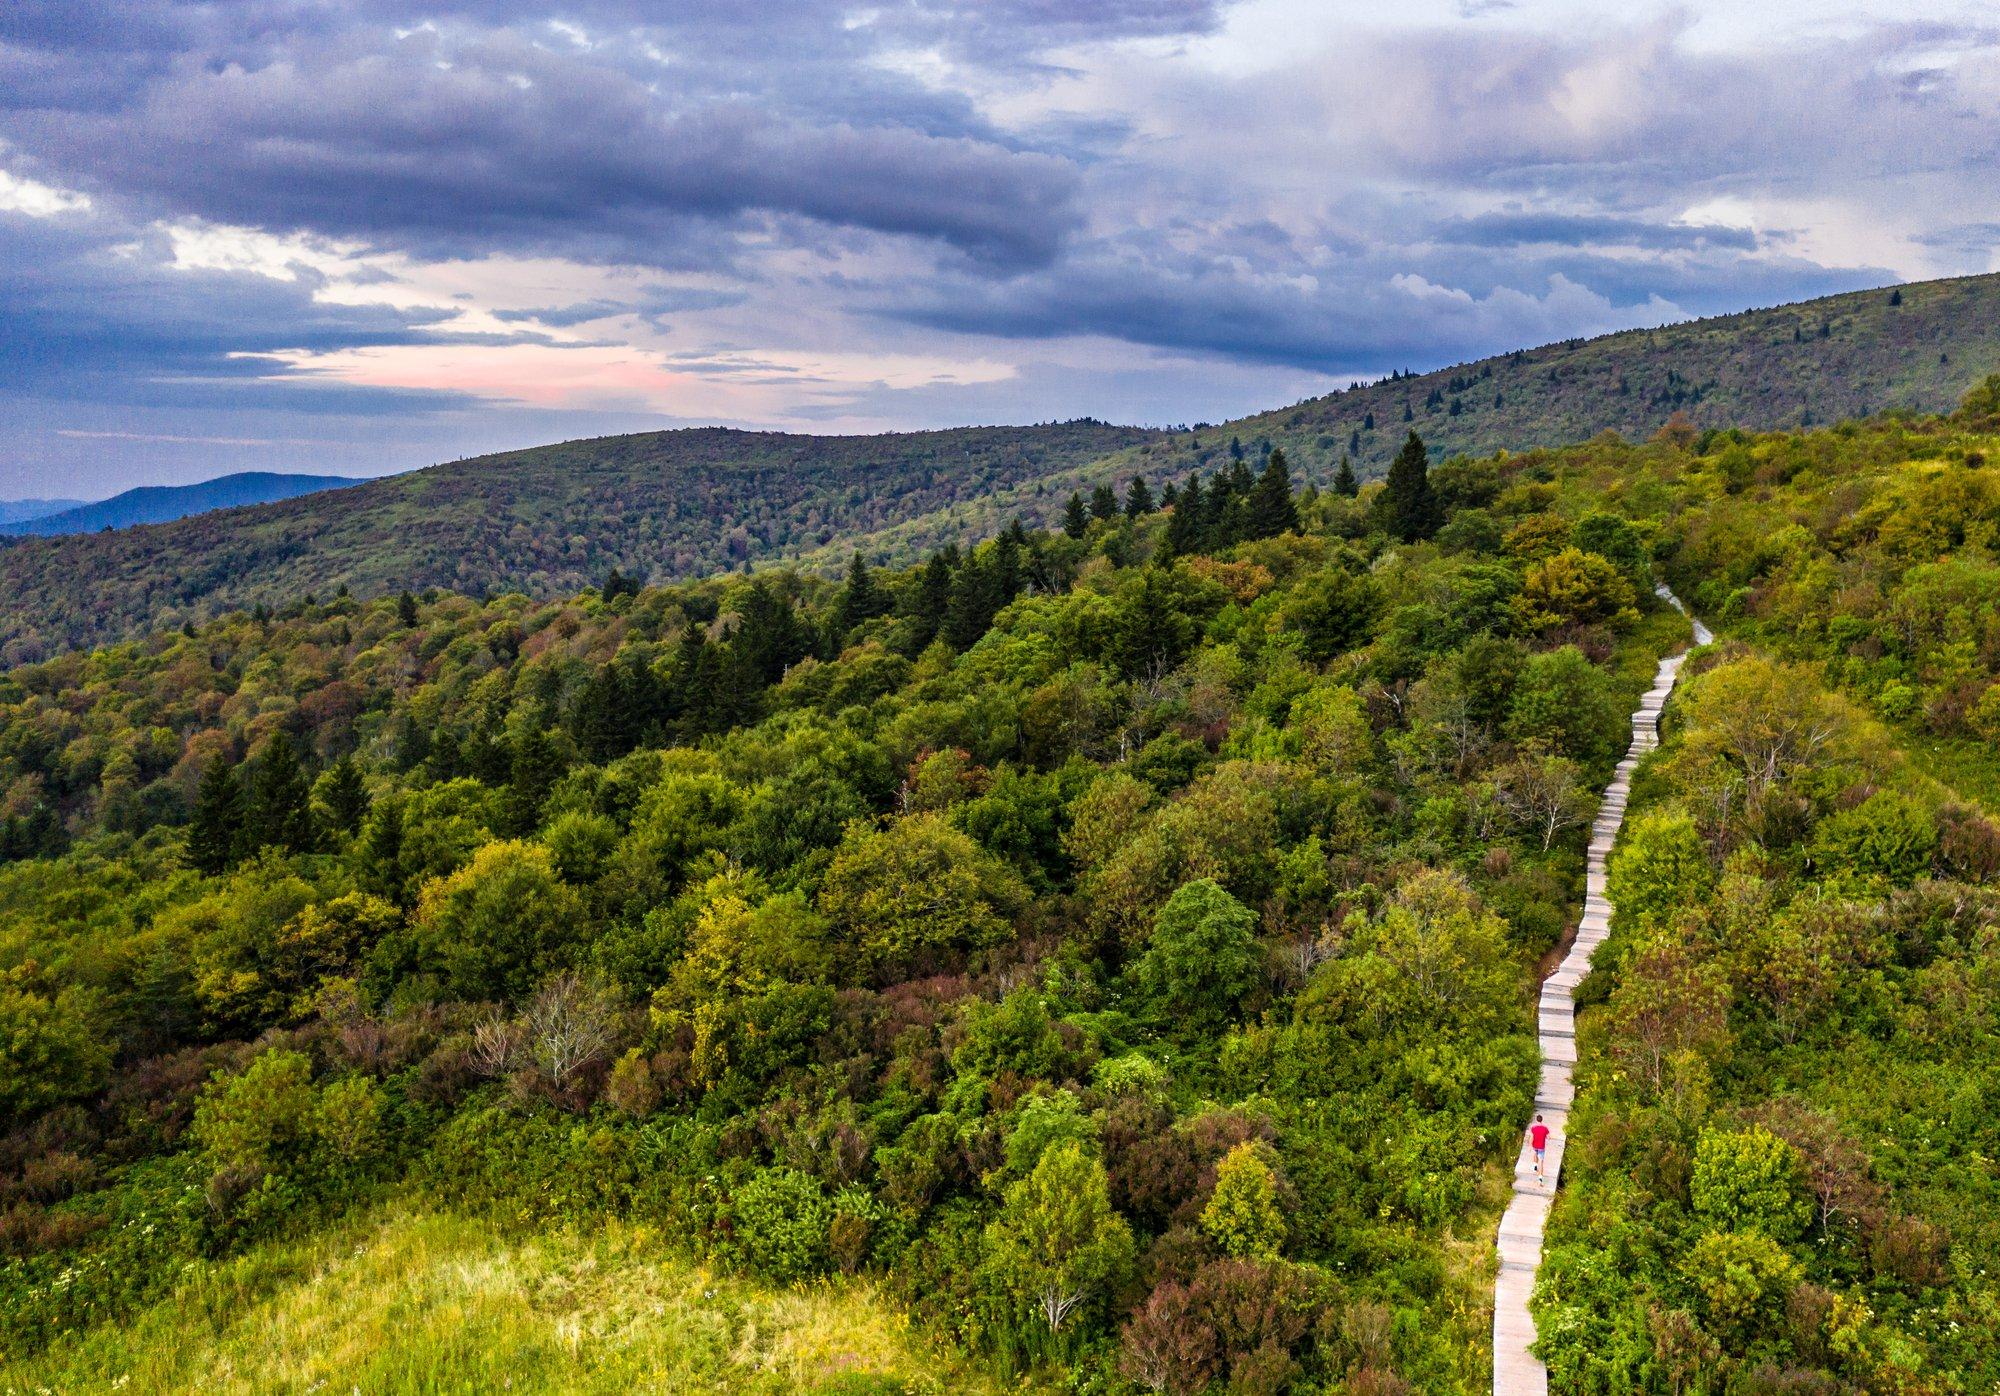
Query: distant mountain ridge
17,510
667,505
151,504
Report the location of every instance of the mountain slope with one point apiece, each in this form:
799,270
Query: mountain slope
677,504
165,503
18,510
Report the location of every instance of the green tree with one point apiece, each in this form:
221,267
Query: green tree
1057,1244
916,894
861,599
1573,587
1659,868
1344,483
341,797
1272,510
1076,518
406,610
55,1043
1201,959
1138,498
1407,509
1750,1180
216,833
499,925
1242,1215
280,804
1104,503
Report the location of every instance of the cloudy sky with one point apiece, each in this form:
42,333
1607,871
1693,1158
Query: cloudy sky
362,235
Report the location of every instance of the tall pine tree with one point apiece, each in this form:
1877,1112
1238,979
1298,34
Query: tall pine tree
861,599
216,831
1344,483
1271,510
280,814
1409,510
1076,519
1138,498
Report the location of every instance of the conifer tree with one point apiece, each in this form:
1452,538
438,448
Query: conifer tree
1409,508
1271,510
974,603
343,796
1138,498
1104,503
1190,518
862,599
1076,519
1344,483
930,600
216,831
280,814
406,610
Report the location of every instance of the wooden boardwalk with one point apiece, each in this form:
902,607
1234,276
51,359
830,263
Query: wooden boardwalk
1516,1370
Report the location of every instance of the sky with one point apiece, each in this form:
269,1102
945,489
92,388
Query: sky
358,236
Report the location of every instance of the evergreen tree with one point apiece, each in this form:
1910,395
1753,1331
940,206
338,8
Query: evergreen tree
216,831
975,601
1076,519
343,796
1190,518
617,585
862,599
929,601
1344,483
280,814
1138,498
1007,549
536,766
406,610
1271,509
769,633
1409,508
1104,503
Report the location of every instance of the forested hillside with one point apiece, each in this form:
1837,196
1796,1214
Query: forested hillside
1110,945
677,505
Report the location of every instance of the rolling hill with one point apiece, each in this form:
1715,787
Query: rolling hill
164,503
677,504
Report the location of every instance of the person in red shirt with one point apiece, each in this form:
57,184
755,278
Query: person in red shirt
1538,1139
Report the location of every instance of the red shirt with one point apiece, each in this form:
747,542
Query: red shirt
1539,1136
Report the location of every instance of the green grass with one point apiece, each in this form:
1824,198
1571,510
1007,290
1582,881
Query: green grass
407,1300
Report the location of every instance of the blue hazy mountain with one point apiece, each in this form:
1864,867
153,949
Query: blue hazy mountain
23,511
164,503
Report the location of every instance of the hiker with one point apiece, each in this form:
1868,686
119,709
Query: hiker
1538,1139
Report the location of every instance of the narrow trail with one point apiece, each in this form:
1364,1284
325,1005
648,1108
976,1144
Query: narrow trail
1516,1371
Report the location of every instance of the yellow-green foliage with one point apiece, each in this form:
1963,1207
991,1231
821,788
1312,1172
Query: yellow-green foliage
413,1301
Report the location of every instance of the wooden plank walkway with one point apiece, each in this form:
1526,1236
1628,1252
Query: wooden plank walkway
1516,1370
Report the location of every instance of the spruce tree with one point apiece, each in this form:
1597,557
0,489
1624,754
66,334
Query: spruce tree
1190,518
536,766
1076,519
975,600
1409,508
1138,498
929,602
280,800
1271,510
1344,483
343,796
216,831
1104,503
862,599
406,610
